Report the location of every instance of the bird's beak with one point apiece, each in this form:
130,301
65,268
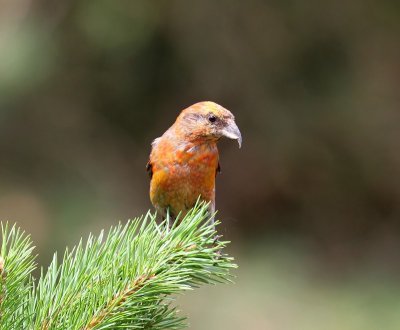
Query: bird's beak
231,131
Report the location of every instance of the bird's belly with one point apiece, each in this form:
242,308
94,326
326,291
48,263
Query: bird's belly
179,185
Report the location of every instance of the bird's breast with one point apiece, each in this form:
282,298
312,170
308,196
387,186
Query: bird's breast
180,177
193,166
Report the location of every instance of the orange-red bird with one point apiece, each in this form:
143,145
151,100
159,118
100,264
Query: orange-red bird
184,160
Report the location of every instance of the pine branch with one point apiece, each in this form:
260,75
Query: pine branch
16,265
123,280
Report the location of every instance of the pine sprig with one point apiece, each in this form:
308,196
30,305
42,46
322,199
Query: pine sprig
16,265
125,279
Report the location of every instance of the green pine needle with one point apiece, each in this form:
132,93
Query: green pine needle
122,280
16,266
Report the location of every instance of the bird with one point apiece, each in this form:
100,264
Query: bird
184,161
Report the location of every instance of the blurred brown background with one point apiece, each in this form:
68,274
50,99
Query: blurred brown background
311,201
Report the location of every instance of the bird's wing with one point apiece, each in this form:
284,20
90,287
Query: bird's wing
218,169
149,165
149,169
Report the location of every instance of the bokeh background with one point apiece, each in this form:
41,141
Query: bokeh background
311,202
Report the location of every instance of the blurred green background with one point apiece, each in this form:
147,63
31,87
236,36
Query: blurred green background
311,201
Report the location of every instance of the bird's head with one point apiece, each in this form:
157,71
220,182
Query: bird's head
208,121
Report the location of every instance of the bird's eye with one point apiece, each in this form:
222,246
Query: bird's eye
212,118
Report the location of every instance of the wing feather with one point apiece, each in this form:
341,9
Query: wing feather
149,169
218,169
